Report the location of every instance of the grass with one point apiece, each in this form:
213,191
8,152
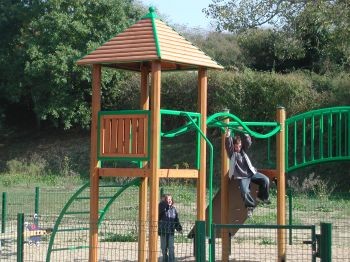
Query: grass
13,180
266,241
53,198
58,165
265,218
114,237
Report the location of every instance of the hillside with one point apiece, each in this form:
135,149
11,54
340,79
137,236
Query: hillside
56,148
66,154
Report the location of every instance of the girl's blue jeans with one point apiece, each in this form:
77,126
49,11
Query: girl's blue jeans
167,247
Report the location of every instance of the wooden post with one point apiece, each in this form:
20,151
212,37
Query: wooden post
154,161
224,198
202,105
281,184
144,104
94,177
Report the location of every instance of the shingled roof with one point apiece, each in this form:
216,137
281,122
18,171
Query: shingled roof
148,40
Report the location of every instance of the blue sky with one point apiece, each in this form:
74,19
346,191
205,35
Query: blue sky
183,12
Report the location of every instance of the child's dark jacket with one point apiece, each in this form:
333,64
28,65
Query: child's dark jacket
168,219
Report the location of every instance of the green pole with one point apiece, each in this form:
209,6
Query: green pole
211,162
36,205
200,241
290,207
3,212
20,238
326,242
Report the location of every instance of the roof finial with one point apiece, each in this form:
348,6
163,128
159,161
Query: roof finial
151,14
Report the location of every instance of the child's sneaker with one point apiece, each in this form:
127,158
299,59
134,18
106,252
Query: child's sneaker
250,211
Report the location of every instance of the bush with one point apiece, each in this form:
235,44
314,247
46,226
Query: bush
255,95
311,185
35,166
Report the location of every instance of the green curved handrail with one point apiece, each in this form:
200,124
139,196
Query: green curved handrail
182,129
216,120
178,131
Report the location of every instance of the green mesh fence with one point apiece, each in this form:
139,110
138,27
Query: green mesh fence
334,209
259,243
118,232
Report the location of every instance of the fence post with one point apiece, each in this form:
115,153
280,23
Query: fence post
200,240
20,237
36,205
326,242
290,222
3,212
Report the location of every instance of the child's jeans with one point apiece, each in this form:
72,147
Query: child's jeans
167,247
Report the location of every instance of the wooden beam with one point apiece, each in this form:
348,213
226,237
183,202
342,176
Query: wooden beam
144,104
124,172
154,160
146,172
281,184
94,178
178,173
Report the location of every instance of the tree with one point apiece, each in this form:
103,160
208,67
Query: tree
40,49
222,47
320,28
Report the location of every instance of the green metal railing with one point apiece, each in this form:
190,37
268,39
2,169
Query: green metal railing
317,136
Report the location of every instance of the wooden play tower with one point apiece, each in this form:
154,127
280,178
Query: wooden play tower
149,47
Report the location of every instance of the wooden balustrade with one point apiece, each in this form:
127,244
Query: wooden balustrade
123,135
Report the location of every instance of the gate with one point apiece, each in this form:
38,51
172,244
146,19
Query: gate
259,242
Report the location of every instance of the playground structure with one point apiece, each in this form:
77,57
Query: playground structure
150,47
161,49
